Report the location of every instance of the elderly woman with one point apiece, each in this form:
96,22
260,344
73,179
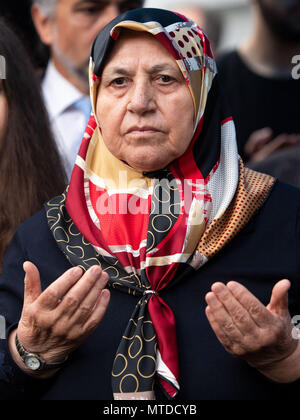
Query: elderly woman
161,272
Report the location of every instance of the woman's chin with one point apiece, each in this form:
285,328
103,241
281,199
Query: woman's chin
146,167
145,163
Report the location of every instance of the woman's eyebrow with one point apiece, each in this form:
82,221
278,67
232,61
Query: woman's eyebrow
160,67
126,72
119,70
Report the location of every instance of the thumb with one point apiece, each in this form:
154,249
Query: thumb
32,283
257,140
279,298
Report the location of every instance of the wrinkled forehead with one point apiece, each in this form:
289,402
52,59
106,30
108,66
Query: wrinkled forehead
132,46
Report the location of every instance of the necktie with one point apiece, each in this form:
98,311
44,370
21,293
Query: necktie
84,106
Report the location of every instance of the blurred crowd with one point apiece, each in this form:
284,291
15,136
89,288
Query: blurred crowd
46,46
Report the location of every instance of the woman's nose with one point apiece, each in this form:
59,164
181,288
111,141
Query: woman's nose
141,98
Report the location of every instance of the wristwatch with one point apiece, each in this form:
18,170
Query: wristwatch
33,361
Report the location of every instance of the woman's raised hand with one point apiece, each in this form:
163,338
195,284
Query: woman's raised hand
261,335
54,322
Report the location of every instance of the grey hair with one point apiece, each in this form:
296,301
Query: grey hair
47,7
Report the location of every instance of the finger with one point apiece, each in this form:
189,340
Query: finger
237,312
257,311
80,312
257,140
52,295
279,142
222,320
221,336
270,148
279,298
293,139
32,283
99,311
88,304
75,297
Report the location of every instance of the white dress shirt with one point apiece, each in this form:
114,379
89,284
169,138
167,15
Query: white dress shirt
68,123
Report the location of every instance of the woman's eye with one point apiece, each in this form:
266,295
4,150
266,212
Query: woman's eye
166,79
119,81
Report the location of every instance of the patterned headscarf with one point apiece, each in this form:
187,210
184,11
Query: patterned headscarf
183,214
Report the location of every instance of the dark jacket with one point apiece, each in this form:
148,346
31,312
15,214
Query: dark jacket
264,252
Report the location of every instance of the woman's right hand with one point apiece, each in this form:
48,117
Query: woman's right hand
54,322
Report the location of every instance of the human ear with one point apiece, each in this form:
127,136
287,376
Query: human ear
43,25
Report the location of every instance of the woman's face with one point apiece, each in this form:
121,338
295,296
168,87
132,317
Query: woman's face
3,113
144,105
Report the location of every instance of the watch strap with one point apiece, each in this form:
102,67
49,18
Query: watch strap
43,365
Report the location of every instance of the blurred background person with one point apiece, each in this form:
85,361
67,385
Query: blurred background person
68,28
257,78
208,20
30,168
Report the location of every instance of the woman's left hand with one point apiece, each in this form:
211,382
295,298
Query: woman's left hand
260,335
